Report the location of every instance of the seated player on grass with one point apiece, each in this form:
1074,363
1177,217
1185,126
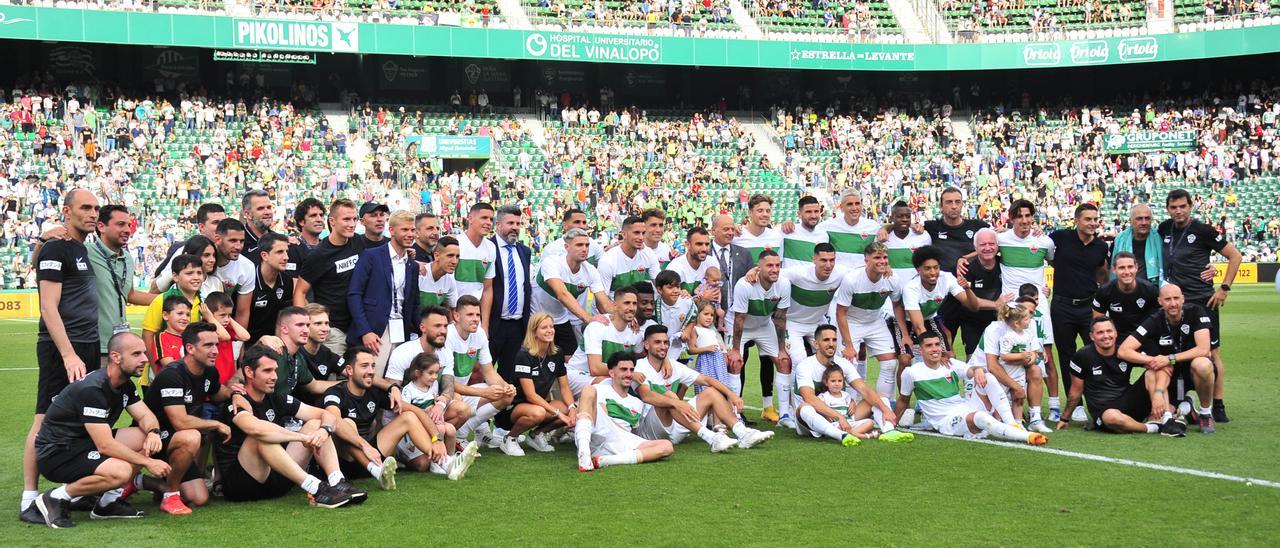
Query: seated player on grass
263,459
816,416
936,381
1115,405
421,392
607,414
658,381
76,446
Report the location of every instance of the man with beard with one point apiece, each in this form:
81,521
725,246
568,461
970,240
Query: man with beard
953,235
373,217
508,315
257,213
564,283
273,288
434,325
438,286
328,269
573,218
113,270
309,217
427,227
798,245
692,266
238,274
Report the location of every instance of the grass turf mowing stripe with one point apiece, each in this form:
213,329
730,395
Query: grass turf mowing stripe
1112,460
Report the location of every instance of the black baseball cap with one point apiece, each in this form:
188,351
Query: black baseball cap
370,207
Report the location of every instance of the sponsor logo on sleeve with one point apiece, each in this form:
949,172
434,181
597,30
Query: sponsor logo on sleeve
171,392
50,265
95,412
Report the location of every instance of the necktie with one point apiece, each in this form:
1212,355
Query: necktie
512,295
726,280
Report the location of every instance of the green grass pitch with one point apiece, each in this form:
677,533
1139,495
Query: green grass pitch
787,492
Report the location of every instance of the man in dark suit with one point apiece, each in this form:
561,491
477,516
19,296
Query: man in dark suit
509,314
733,261
383,295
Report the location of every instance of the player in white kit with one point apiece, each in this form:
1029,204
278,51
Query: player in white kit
607,413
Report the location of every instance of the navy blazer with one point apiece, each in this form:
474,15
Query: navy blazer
500,282
369,295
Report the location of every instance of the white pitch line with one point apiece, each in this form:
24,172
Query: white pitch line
1100,458
2,369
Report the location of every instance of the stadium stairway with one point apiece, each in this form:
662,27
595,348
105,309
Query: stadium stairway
766,139
537,131
743,18
335,114
513,12
960,125
912,29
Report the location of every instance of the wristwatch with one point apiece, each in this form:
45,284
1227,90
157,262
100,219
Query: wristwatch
1226,287
155,431
327,428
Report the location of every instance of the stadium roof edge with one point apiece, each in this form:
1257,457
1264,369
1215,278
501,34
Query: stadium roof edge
221,32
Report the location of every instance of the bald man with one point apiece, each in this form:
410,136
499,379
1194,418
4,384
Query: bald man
67,344
734,261
1176,340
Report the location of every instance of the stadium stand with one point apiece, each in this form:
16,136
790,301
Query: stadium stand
1000,20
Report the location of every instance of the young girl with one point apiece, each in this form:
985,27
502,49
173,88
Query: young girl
1019,357
837,398
420,393
706,346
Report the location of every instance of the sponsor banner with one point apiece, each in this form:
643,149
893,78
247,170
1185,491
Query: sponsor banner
250,56
1247,274
172,64
460,39
492,75
1150,141
453,146
72,60
401,73
19,304
644,81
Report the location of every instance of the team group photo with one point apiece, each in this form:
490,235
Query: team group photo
304,290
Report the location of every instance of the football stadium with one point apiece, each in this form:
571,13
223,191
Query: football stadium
648,272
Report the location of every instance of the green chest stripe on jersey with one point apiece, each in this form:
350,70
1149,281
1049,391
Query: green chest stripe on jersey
621,412
574,289
628,278
900,257
609,348
595,261
470,270
427,298
463,364
423,404
761,307
1018,348
798,250
812,298
843,409
663,266
869,301
929,308
690,287
938,389
756,251
662,388
846,242
1023,257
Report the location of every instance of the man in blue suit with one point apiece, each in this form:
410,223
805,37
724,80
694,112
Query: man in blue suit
383,295
509,314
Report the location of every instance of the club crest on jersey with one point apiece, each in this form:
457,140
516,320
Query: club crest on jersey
323,369
206,385
1191,238
271,415
1186,328
1142,303
968,234
94,455
370,406
581,286
1034,249
1124,367
124,400
279,292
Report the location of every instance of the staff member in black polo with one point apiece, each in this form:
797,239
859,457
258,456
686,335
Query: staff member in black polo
953,234
1188,246
1079,262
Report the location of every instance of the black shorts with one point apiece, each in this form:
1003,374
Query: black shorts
1135,402
1215,329
193,471
53,374
69,463
566,340
353,469
239,486
1181,382
503,418
931,325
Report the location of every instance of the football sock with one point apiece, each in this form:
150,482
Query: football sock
1035,413
1184,408
60,493
1152,428
782,383
28,497
630,457
739,429
708,435
109,497
735,383
985,422
1054,403
311,484
374,468
884,381
582,437
168,494
336,477
999,399
878,416
861,367
818,423
1206,411
482,416
766,402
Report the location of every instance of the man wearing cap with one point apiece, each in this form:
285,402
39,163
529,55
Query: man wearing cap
373,216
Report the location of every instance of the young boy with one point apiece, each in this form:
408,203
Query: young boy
672,309
177,315
217,307
713,278
187,278
1049,369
